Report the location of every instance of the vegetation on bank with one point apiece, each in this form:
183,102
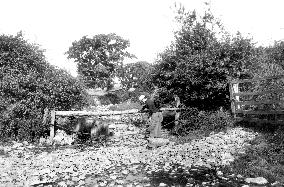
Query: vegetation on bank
197,67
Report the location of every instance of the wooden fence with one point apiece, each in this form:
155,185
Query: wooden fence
260,99
54,113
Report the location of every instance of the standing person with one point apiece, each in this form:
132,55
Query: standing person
156,117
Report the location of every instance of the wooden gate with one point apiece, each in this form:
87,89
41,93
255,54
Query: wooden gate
260,99
54,113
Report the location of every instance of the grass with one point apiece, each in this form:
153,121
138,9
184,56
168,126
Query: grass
265,155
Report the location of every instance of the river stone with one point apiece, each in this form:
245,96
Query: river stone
157,142
257,180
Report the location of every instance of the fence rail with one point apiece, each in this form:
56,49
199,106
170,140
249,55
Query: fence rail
54,113
261,105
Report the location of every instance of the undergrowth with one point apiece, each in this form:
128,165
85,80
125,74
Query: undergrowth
265,155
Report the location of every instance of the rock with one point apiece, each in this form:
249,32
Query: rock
257,180
68,170
124,172
158,142
25,143
2,151
81,182
276,184
30,146
113,177
162,184
42,141
45,171
70,183
239,176
7,149
75,179
17,145
62,184
119,181
219,173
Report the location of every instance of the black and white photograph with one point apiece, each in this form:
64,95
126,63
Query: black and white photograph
141,93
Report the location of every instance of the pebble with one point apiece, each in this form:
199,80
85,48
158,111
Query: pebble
162,184
81,182
124,172
102,157
103,183
62,184
70,183
219,173
119,181
257,180
239,176
113,177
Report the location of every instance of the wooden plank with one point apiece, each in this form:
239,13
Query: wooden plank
259,120
259,93
45,117
256,79
91,113
52,113
259,112
232,99
105,113
170,109
259,102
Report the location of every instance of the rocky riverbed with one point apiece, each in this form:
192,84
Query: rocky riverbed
125,161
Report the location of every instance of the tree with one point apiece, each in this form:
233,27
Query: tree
99,58
135,75
29,84
201,61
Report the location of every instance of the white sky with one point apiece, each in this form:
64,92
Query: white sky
148,24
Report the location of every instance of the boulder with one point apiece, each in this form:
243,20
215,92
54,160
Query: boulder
157,142
257,180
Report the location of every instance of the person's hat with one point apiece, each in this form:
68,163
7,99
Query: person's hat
142,98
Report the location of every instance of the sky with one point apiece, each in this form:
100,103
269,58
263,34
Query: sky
148,24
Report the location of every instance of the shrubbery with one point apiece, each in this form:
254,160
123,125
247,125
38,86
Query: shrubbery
109,98
193,119
28,85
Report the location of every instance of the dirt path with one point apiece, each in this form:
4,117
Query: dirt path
125,161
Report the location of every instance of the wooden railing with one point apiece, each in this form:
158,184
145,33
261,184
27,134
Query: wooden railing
54,113
263,99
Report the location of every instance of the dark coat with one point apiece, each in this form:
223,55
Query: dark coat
151,105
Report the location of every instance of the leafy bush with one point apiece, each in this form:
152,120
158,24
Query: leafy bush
138,120
136,75
28,85
201,60
109,98
192,119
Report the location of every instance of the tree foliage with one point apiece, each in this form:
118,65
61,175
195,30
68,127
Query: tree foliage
99,58
28,84
135,75
201,60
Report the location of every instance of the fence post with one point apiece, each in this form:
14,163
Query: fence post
237,98
177,100
45,117
52,124
234,88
